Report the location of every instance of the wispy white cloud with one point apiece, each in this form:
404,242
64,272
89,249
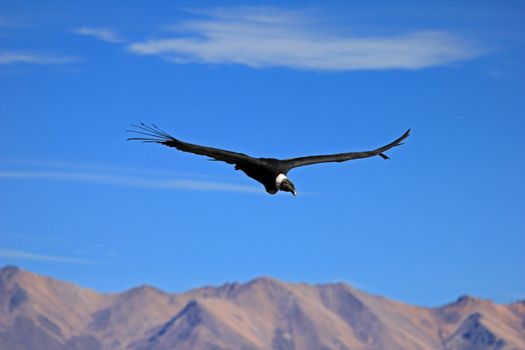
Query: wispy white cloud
4,22
8,22
100,34
24,255
127,181
29,58
72,166
265,37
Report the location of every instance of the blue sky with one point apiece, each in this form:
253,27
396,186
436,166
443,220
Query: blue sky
443,217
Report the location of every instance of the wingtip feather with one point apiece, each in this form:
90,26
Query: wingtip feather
153,133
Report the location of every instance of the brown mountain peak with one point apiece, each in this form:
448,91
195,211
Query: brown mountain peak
144,290
9,270
472,334
264,313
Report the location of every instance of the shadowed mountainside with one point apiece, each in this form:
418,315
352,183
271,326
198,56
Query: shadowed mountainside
38,312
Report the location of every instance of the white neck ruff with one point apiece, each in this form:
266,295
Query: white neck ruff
279,180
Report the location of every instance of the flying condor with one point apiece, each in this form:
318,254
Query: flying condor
270,172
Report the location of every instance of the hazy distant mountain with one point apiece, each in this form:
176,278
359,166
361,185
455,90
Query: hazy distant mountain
42,313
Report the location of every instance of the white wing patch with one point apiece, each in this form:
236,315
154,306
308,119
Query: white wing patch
279,180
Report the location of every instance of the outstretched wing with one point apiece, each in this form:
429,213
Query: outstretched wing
343,157
154,134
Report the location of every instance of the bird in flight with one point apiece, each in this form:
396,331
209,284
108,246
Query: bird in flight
270,172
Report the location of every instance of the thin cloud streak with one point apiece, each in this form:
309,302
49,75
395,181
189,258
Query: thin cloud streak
24,255
100,34
4,22
10,23
128,181
26,58
262,37
67,166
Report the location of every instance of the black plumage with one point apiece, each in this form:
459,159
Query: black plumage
270,172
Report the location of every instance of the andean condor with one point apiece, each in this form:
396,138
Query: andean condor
270,172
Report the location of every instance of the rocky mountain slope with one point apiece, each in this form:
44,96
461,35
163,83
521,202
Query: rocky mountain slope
38,312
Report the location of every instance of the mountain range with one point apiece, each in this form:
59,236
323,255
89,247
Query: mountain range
38,312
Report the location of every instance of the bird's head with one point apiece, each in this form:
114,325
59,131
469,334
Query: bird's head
288,186
283,184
